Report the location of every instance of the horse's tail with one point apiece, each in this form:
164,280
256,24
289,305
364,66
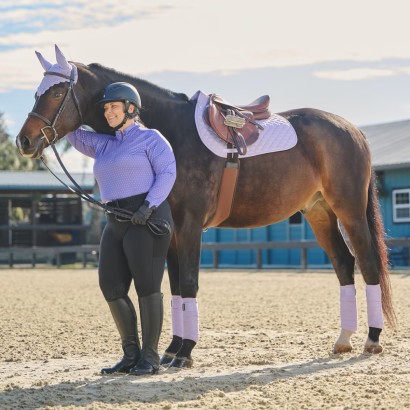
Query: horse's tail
376,228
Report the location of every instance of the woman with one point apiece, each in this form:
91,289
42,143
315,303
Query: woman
135,171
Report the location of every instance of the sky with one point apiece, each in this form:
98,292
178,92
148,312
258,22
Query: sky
351,58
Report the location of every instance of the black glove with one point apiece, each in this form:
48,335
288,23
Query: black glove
143,213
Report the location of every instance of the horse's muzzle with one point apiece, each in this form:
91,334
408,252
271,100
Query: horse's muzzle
28,148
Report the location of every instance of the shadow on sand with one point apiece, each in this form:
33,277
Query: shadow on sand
134,391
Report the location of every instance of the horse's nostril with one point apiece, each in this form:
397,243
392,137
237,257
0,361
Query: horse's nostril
25,142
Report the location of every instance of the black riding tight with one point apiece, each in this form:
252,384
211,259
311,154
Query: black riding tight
130,252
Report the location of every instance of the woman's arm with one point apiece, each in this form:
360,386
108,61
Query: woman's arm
162,160
85,141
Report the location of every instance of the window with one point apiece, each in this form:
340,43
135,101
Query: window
401,205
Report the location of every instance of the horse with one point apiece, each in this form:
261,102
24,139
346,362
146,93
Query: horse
327,176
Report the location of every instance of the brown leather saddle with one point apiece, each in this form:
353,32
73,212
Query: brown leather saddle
237,124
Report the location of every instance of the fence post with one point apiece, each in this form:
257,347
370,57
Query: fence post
303,258
215,258
58,259
258,258
84,260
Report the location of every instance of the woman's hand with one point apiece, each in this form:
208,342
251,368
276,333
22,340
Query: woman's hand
142,214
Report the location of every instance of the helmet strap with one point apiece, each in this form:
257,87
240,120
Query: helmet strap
121,123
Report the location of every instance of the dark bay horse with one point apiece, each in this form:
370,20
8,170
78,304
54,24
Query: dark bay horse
327,176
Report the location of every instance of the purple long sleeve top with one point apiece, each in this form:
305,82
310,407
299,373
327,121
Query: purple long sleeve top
134,161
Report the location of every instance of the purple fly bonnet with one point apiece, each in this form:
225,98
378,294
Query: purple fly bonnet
62,67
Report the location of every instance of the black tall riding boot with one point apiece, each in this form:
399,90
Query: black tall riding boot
125,318
151,310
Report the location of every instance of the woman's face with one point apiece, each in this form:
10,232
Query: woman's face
114,113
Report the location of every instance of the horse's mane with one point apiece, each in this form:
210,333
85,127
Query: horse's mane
114,74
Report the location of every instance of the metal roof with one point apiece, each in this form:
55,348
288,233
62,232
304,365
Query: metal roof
42,181
389,144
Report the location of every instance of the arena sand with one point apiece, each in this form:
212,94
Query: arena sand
266,343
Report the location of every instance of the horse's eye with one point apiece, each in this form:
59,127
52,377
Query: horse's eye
57,94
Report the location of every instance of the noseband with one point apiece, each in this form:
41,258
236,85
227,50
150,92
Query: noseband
51,124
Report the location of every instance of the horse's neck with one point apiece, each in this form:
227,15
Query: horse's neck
158,109
161,110
97,122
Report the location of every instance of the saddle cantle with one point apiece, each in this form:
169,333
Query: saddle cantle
237,124
259,108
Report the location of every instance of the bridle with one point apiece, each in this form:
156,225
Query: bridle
157,226
51,124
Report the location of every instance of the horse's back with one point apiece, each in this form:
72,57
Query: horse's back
329,139
323,124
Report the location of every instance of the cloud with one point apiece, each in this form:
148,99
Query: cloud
355,74
404,70
214,36
406,109
34,17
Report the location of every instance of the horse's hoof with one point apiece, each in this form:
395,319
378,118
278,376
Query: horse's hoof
373,348
347,348
181,362
166,359
342,344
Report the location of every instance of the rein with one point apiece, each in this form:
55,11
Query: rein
122,213
157,226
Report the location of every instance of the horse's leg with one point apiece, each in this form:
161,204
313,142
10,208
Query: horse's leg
188,241
325,227
176,305
362,222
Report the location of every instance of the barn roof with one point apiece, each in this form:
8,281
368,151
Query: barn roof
42,181
389,144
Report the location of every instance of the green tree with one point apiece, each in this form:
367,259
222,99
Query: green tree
10,159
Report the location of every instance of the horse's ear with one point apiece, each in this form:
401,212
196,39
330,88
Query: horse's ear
44,63
61,60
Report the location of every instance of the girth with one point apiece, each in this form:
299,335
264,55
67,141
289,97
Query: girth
237,126
226,192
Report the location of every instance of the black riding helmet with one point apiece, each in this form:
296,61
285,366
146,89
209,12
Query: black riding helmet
124,92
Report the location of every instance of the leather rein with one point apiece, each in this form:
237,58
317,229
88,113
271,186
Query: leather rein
154,225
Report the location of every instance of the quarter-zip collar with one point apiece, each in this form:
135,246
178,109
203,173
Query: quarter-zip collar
121,135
